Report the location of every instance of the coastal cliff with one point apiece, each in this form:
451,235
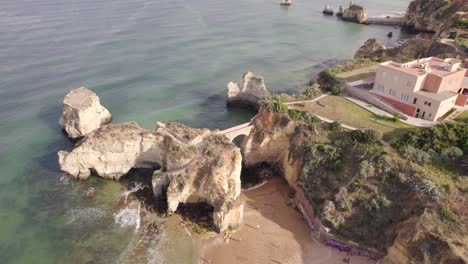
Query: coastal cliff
361,189
435,15
411,49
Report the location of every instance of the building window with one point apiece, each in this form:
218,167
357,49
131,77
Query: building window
425,103
430,114
380,88
404,97
415,100
408,83
429,104
392,92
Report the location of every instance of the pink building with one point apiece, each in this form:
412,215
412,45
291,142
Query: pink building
425,88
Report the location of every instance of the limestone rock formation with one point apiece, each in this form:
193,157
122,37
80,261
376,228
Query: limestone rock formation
193,165
269,142
355,13
112,150
435,15
249,91
328,10
82,113
212,176
372,49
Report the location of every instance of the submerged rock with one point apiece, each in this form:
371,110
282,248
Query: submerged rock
82,113
250,91
89,193
355,13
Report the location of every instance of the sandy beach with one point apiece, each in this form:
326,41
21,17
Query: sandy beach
273,232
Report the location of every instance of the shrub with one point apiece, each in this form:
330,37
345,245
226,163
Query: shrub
427,187
294,114
378,202
275,104
335,126
396,116
312,91
365,169
439,137
451,153
330,215
335,90
448,214
367,136
461,24
415,155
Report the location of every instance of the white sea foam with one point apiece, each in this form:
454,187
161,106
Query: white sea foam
129,216
138,186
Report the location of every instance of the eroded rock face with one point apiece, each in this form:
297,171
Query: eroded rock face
409,50
212,176
194,165
417,241
112,150
355,13
82,113
249,91
372,49
270,141
435,15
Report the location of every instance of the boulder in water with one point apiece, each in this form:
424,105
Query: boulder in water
82,113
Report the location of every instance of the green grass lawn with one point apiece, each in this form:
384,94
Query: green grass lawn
357,74
341,110
462,117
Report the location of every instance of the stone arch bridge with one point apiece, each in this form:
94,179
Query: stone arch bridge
233,132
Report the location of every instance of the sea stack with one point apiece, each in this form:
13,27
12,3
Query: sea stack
249,91
340,11
355,13
328,10
82,113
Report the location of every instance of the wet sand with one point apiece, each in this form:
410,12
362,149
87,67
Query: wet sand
273,232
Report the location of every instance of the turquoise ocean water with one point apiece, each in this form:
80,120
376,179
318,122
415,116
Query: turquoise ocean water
148,61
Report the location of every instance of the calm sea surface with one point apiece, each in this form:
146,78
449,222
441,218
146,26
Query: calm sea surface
147,60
